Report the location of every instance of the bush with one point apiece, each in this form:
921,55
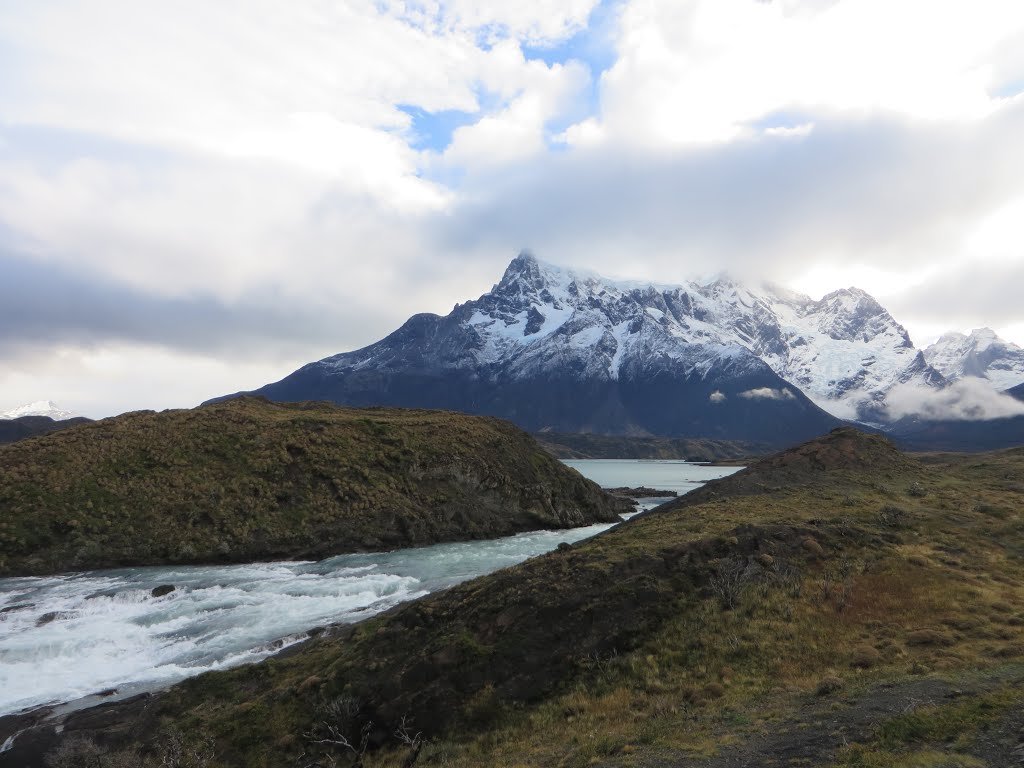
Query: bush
729,582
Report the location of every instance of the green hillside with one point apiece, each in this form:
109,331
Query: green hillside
840,604
248,479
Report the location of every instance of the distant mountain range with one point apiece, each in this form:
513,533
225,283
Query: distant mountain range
554,349
38,418
981,354
46,408
13,430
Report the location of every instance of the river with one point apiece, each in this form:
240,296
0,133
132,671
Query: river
66,638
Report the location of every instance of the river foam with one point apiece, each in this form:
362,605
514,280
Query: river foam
71,636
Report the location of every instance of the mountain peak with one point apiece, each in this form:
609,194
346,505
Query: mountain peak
982,354
565,331
39,408
524,270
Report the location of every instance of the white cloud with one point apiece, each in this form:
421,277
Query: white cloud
767,393
519,130
966,400
704,70
236,149
535,21
717,397
116,378
802,129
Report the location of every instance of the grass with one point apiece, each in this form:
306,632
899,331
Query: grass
248,479
622,651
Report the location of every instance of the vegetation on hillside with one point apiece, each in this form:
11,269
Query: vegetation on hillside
248,479
589,446
840,604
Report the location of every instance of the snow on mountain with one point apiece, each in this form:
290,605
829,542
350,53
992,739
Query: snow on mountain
844,351
552,348
981,354
39,408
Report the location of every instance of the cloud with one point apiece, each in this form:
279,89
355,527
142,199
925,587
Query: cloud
878,191
717,397
767,393
698,72
963,292
248,177
43,306
968,399
114,377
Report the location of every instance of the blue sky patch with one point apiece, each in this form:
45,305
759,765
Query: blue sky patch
434,130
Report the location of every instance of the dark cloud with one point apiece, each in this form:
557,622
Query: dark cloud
969,295
42,305
882,191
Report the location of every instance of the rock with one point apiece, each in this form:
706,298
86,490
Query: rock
163,589
829,685
865,657
46,618
922,637
812,547
641,492
18,607
564,546
766,560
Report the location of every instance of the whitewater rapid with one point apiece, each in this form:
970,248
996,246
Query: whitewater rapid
73,636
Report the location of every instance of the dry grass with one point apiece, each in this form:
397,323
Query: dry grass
620,651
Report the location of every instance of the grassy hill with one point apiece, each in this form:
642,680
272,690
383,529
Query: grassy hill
839,604
249,479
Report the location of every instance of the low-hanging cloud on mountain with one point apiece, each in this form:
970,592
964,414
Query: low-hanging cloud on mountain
969,399
767,393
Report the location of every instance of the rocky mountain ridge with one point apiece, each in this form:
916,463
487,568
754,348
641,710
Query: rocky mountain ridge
570,351
554,349
982,354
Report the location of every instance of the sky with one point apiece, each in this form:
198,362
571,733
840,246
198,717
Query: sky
197,198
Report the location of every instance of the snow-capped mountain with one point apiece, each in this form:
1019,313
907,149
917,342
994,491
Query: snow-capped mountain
39,408
982,354
845,351
551,348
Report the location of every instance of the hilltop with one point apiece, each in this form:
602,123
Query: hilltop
870,612
249,480
840,459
